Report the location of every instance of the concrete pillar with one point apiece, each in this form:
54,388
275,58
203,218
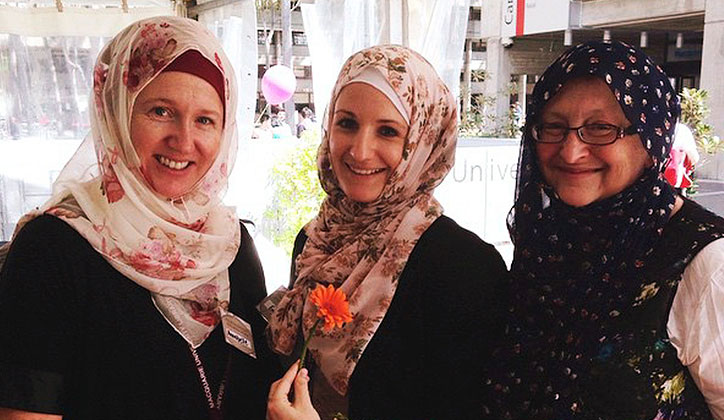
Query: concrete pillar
522,86
498,78
497,61
287,59
712,61
466,89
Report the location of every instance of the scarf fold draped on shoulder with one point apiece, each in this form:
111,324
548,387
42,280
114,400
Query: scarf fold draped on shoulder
362,248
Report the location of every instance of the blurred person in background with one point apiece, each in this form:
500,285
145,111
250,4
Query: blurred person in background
264,130
307,121
280,127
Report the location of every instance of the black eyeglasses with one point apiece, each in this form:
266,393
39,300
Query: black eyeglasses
594,134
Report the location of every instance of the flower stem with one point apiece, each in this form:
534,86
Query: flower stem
306,343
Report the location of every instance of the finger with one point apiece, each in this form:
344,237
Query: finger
301,390
280,389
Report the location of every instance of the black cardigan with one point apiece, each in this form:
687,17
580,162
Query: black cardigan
426,360
79,338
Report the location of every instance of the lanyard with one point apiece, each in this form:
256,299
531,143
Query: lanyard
214,406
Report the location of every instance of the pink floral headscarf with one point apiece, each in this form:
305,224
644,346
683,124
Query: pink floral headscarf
180,249
363,248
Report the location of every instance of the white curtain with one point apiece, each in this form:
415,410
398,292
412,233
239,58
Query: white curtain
235,26
45,84
434,28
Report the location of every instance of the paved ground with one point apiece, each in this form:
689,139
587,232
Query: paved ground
711,195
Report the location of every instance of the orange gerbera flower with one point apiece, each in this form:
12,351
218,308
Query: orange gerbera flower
332,306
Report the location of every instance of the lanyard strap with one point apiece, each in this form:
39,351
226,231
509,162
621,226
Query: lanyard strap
214,405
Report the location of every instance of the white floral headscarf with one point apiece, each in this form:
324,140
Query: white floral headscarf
362,248
178,250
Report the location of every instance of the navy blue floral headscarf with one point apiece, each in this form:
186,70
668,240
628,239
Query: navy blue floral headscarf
576,269
612,235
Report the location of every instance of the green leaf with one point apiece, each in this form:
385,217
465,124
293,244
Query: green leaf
297,193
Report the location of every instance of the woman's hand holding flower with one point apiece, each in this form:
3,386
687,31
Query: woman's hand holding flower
281,406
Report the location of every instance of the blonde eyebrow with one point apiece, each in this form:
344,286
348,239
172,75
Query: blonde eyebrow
173,103
211,112
344,111
157,99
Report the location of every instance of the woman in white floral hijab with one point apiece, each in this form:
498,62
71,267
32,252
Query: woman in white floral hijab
112,291
421,289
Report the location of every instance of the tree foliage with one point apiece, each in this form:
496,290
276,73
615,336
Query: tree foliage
480,120
694,111
297,192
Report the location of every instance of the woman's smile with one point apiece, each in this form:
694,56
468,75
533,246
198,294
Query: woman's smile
577,171
173,164
364,172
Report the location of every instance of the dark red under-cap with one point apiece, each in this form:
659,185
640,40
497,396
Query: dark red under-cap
192,62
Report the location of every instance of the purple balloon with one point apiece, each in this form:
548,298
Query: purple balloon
278,84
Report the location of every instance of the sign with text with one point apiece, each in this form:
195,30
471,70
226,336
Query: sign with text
479,191
526,17
688,52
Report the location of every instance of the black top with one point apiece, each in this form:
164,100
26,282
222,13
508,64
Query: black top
426,359
588,351
78,338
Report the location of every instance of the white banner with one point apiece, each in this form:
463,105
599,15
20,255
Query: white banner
479,191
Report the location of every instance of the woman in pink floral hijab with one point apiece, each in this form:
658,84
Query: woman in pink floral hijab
123,276
418,284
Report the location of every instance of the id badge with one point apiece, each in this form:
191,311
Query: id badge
237,332
268,304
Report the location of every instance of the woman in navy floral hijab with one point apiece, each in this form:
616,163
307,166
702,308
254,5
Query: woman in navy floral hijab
601,245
